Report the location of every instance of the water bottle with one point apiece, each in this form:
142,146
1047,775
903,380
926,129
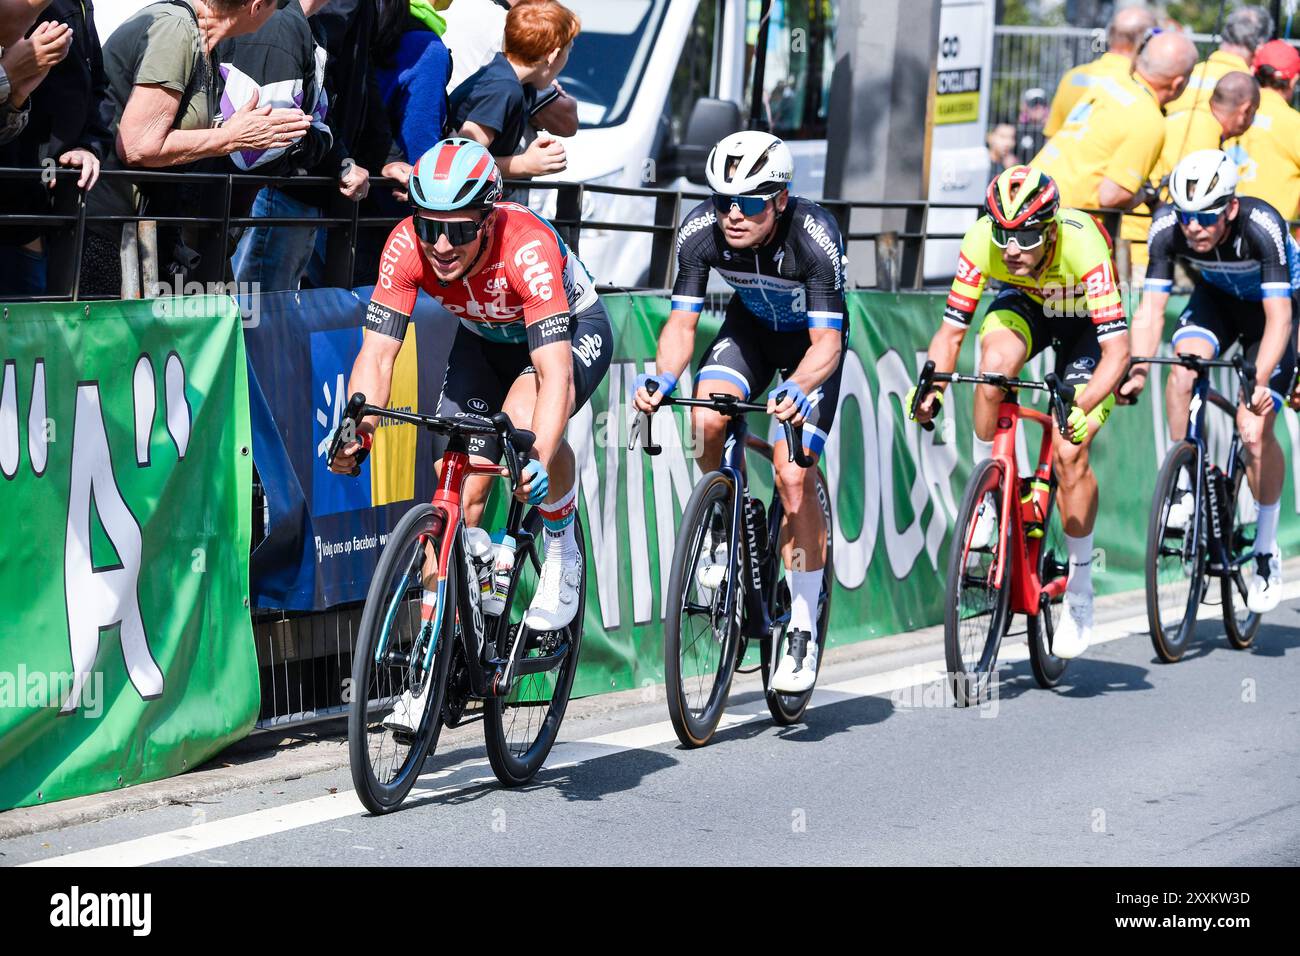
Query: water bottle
494,601
479,546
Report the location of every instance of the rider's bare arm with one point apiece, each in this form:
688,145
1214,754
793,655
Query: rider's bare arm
676,344
1272,346
1114,361
372,376
820,361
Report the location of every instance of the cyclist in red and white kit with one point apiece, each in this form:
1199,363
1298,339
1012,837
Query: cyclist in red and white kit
534,340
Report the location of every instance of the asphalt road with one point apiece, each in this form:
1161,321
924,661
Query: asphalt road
1128,762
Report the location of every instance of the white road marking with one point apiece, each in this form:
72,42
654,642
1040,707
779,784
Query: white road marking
469,773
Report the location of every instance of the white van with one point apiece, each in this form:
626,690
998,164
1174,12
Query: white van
648,75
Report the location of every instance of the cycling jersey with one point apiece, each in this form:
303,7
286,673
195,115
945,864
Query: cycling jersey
1076,275
795,281
1076,82
514,297
1257,259
1268,155
1114,132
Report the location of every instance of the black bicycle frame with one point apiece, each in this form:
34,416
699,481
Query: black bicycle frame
1211,484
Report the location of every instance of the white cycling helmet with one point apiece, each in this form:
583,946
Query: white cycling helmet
749,162
1203,181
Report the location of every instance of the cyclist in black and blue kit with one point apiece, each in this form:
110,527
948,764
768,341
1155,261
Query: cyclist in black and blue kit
784,258
1246,268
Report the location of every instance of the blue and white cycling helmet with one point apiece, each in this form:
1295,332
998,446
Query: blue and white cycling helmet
455,174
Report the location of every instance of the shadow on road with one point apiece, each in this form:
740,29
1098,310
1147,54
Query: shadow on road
1084,678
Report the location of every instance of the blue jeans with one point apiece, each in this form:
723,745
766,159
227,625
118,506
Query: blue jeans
22,272
277,257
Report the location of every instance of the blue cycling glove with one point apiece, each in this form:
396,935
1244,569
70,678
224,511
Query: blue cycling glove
793,392
666,381
535,475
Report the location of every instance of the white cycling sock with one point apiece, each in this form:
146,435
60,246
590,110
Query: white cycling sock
1080,564
982,449
557,519
1266,529
805,588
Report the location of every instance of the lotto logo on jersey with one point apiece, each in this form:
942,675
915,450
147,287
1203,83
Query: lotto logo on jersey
536,273
966,271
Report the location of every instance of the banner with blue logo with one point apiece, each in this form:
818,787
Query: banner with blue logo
324,531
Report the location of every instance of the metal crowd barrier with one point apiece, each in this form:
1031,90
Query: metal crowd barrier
305,658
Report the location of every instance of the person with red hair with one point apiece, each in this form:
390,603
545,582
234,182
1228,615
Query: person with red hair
493,106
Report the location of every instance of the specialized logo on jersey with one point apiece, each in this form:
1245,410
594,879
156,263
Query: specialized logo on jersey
400,243
720,348
538,274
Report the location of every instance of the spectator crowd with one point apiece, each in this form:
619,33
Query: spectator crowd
325,97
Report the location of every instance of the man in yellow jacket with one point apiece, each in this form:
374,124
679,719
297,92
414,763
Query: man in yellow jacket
1244,31
1123,34
1226,114
1268,156
1111,140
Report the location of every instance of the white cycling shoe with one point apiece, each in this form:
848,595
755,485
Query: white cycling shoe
984,533
1180,512
556,602
407,711
797,671
1266,589
1074,630
712,568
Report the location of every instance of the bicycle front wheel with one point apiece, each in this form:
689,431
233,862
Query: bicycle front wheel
1239,623
977,611
1175,571
699,643
399,667
1053,564
521,727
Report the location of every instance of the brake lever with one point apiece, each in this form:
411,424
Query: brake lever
640,428
1062,399
349,426
794,445
923,383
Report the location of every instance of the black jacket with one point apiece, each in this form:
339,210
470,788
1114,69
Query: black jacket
65,114
280,60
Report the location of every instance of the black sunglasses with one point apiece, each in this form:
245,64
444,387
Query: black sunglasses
459,232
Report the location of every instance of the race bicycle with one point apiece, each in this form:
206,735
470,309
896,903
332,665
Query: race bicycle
707,631
1213,542
1023,568
426,641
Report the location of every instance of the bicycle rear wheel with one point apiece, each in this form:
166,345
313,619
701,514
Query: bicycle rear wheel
977,613
520,728
1175,576
787,709
404,647
1239,624
699,645
1053,564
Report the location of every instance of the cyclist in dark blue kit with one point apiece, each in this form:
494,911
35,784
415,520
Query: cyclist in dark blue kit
784,258
1246,269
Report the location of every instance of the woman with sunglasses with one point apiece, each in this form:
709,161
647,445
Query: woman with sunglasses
784,258
534,340
1246,269
1059,290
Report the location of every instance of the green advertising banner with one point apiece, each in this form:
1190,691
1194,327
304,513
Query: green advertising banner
895,489
127,652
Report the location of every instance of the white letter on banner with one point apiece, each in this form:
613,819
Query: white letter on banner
852,558
178,405
674,479
145,405
9,448
102,599
602,527
902,545
938,462
38,438
638,542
